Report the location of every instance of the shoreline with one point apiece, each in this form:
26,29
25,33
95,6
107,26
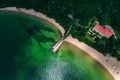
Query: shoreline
98,57
90,51
36,14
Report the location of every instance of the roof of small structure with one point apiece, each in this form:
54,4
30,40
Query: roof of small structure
105,31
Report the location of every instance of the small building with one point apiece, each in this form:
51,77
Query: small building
105,32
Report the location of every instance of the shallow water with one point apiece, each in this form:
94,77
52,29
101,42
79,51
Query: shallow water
25,43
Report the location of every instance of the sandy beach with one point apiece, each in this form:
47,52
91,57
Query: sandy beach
37,14
112,65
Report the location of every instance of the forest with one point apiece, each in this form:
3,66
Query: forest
107,12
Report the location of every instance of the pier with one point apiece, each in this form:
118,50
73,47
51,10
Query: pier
55,47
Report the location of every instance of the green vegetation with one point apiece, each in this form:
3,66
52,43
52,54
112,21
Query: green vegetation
25,53
105,45
106,11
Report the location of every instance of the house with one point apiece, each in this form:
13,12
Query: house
105,32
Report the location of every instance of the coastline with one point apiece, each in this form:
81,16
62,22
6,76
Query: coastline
98,56
92,52
37,14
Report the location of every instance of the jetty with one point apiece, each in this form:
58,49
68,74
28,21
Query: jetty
110,63
55,47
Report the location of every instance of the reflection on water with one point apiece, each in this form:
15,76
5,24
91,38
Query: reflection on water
32,60
53,70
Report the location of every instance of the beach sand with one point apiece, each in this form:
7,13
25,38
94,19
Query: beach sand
112,65
37,14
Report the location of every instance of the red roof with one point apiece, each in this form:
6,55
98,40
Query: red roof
104,31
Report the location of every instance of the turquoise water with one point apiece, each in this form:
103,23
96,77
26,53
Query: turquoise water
25,43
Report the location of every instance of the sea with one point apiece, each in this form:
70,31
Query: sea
25,43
